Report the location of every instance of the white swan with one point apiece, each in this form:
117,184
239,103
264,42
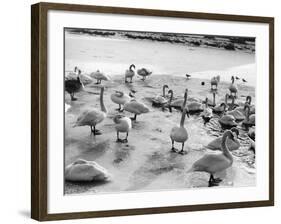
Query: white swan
144,73
213,163
160,100
99,76
83,170
179,133
250,120
122,124
214,82
92,117
233,88
136,108
231,144
120,98
207,113
130,73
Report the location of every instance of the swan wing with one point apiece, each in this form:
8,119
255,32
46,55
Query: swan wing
90,117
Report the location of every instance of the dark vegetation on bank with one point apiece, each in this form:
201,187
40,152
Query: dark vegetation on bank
223,42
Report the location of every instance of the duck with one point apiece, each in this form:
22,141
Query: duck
220,108
227,121
160,100
120,98
99,76
92,117
73,86
83,170
144,73
214,82
130,73
237,78
179,133
231,144
233,88
250,120
213,163
188,76
244,80
136,108
207,112
122,124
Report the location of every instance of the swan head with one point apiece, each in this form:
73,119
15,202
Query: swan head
119,93
249,99
117,118
229,134
235,130
132,66
170,91
165,86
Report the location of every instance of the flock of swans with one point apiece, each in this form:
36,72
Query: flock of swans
231,114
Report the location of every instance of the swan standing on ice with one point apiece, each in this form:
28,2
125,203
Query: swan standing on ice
73,86
144,73
122,124
179,133
233,88
130,73
136,108
93,117
214,82
120,98
213,163
99,76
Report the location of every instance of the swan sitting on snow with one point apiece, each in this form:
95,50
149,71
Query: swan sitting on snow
124,125
120,98
99,76
83,170
136,108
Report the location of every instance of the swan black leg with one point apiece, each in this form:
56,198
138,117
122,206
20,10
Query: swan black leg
72,97
131,80
118,139
119,108
126,139
214,181
182,152
173,149
96,131
134,118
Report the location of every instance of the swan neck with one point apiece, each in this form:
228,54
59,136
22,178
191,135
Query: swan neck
184,101
101,102
214,99
171,96
182,118
224,147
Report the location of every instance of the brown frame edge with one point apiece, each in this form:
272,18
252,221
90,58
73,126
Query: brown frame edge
39,209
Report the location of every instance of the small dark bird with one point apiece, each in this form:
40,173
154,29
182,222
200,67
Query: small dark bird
202,83
188,76
237,78
133,91
244,80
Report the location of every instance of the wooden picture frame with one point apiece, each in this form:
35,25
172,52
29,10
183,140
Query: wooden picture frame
39,108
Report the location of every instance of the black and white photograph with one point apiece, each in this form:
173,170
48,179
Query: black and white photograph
152,111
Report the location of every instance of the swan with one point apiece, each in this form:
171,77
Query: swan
250,120
220,108
122,124
144,72
214,82
136,108
213,104
227,121
207,112
179,133
83,170
231,144
73,86
194,107
99,76
160,100
130,73
92,117
213,163
120,98
233,88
